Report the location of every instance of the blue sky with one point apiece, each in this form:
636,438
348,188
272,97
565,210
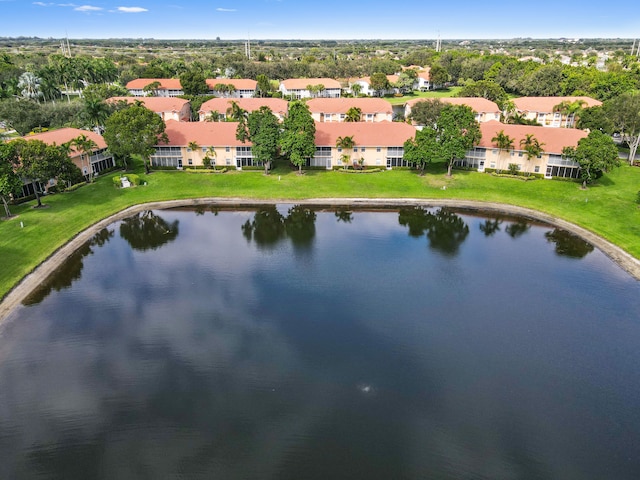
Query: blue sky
329,19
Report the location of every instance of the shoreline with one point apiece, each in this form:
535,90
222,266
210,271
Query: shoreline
23,288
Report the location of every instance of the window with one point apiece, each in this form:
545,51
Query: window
204,149
227,149
536,169
519,154
362,149
190,162
355,149
378,149
494,151
339,150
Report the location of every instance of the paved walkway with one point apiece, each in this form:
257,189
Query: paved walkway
31,281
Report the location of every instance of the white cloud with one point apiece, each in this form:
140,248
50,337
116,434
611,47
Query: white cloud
42,4
226,9
87,8
132,9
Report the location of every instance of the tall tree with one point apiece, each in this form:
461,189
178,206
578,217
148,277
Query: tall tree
379,83
263,86
456,132
193,82
531,146
134,130
424,148
426,112
345,143
356,88
298,136
624,111
438,76
86,147
235,113
596,154
503,141
10,182
29,86
39,162
354,114
262,130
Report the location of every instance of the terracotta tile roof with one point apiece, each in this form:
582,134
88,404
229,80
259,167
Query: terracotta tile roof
301,83
341,105
277,105
155,104
64,135
207,134
377,134
238,83
165,83
478,105
546,104
554,139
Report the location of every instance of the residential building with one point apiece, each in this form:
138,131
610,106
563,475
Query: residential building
235,87
297,88
365,86
99,160
485,110
167,87
424,80
169,108
222,105
550,163
216,140
335,109
553,111
377,144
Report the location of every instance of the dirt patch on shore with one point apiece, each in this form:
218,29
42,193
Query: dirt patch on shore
42,271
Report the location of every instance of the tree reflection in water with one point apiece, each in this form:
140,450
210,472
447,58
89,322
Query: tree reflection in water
71,270
445,230
490,226
344,215
568,244
517,229
148,231
269,227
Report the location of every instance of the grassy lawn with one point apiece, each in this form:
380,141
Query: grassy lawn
445,92
608,208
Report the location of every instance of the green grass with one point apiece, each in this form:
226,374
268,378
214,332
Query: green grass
445,92
608,208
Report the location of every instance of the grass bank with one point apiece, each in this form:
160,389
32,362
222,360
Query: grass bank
608,209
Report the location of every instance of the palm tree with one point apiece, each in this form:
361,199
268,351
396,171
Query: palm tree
356,88
193,146
152,88
211,153
29,86
531,146
346,143
235,113
86,147
213,116
503,141
354,114
570,110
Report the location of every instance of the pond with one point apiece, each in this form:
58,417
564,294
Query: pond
289,343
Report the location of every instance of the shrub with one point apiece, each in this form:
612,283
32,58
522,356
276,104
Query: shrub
74,187
513,168
116,181
134,179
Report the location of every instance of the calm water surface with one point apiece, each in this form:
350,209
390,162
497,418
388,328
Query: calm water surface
290,344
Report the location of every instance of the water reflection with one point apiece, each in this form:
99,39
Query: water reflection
445,230
518,228
69,271
568,244
490,226
269,227
148,231
368,364
344,215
